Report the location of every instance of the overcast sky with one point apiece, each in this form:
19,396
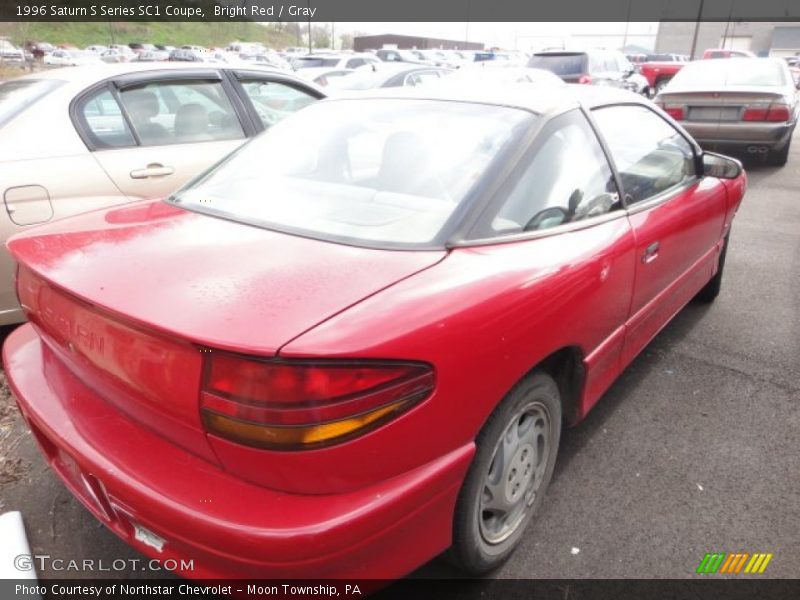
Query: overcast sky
520,36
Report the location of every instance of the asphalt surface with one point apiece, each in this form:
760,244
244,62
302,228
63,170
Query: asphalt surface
695,449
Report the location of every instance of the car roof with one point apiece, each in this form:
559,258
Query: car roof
89,74
540,100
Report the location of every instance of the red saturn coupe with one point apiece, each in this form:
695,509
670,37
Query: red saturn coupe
353,344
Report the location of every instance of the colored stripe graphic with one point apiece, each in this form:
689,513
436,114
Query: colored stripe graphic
722,562
758,563
734,563
711,562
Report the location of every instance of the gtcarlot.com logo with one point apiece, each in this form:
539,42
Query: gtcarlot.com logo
44,562
735,562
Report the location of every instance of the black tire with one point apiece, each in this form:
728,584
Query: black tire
778,158
711,290
660,85
534,404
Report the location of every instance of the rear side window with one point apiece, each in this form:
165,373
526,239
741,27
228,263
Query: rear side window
567,179
17,95
180,112
104,121
560,64
651,155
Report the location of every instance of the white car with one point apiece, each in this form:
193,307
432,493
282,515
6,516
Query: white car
115,55
76,139
71,58
339,61
324,75
96,48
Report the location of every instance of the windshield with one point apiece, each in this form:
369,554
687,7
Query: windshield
707,74
560,64
372,172
16,96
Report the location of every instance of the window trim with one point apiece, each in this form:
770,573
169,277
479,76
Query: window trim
496,197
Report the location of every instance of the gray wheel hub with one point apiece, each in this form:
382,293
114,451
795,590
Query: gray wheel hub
515,473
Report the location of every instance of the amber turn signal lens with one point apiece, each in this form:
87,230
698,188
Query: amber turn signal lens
302,437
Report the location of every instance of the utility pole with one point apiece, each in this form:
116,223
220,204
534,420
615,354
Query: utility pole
727,25
627,24
310,47
696,28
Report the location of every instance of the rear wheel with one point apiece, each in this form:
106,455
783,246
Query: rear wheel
711,290
505,486
779,158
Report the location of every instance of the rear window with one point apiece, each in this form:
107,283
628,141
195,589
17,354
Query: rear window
17,95
305,63
732,72
560,64
377,172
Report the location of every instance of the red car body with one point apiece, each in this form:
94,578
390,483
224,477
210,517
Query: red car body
129,305
659,73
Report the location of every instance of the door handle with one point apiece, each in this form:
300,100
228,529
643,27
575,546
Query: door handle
651,253
152,170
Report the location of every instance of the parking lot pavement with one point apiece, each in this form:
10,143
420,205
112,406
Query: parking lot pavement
693,450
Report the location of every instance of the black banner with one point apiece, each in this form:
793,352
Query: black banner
401,10
739,588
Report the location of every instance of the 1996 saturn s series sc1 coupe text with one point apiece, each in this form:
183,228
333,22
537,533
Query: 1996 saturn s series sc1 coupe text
352,344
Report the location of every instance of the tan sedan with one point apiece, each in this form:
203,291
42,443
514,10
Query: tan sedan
76,139
736,104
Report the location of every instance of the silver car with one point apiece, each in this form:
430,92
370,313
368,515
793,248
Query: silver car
76,139
736,104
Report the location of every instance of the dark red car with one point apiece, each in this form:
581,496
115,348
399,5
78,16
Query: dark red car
353,344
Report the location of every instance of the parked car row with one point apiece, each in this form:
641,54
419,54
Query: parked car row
468,264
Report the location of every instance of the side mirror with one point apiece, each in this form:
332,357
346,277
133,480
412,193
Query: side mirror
721,167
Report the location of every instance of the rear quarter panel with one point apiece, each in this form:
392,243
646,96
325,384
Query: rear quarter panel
483,317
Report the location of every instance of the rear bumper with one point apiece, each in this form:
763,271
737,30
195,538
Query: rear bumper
125,475
740,135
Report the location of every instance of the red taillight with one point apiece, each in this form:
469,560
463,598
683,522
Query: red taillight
585,79
292,405
676,112
755,114
773,113
778,112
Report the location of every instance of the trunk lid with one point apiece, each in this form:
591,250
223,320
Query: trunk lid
712,106
130,298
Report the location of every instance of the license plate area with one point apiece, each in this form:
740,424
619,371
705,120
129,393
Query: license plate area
714,113
86,487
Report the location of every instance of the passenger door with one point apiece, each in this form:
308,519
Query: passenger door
677,216
153,132
577,248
